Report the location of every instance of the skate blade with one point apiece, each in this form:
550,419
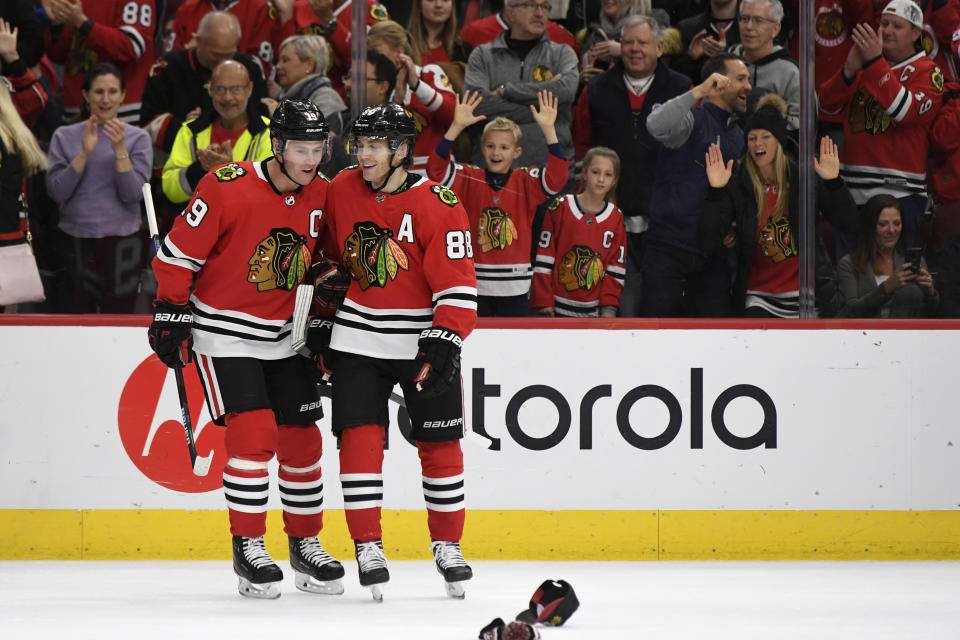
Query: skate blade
309,584
376,592
455,590
264,591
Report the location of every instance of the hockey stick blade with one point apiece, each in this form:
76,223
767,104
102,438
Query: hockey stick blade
200,464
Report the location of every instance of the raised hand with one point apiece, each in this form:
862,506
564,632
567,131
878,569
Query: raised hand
718,174
827,165
407,64
8,42
323,9
703,45
463,115
714,85
546,116
867,41
52,9
72,12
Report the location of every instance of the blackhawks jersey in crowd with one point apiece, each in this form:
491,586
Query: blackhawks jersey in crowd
580,259
433,103
409,256
306,22
887,113
244,247
501,216
122,33
259,28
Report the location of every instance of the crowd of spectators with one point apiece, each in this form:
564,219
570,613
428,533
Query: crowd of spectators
672,94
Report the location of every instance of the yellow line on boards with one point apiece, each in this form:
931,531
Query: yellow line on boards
172,534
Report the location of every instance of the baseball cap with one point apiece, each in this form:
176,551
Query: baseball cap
906,9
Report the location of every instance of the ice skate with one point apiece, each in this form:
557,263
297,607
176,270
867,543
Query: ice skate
316,571
259,575
372,566
452,566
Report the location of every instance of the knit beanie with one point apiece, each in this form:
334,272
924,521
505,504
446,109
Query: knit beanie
770,114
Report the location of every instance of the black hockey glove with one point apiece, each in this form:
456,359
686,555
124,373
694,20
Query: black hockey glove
438,360
330,284
169,333
319,331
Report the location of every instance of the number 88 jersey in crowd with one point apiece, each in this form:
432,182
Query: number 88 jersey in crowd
411,262
243,247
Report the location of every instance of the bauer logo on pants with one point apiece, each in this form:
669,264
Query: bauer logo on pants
148,420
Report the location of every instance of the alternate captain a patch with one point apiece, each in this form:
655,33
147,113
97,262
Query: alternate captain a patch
446,195
279,261
229,172
372,255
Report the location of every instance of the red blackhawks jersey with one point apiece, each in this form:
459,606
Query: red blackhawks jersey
305,22
260,31
409,256
945,139
887,113
501,219
122,33
580,259
435,101
244,247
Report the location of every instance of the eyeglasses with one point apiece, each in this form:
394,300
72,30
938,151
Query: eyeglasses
533,6
757,20
236,90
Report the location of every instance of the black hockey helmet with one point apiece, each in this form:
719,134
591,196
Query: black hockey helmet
387,121
298,120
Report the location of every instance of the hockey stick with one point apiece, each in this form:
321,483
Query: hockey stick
201,465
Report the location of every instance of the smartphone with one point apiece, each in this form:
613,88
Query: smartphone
914,257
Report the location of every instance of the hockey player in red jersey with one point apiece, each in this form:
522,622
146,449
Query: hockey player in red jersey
580,254
501,201
887,94
412,301
83,33
226,279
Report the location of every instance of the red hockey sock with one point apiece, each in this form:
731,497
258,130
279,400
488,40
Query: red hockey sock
250,441
361,476
301,481
442,465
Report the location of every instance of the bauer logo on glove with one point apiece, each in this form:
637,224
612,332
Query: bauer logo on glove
170,334
438,360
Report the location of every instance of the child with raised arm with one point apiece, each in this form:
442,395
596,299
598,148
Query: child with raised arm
580,266
500,201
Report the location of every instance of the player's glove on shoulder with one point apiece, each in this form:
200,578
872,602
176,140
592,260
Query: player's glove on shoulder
438,360
330,284
169,334
319,332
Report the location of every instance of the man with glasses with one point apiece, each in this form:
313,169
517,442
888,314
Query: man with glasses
772,70
612,112
233,130
486,30
511,71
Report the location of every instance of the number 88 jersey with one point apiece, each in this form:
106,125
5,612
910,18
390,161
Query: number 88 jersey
411,261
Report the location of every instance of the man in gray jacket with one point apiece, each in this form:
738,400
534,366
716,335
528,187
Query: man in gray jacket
510,71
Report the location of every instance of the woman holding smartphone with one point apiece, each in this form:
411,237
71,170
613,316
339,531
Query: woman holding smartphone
879,279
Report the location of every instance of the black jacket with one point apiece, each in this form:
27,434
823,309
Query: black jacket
614,125
178,83
737,203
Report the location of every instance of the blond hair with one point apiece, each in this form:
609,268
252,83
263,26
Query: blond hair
610,154
502,124
418,31
781,166
16,136
310,47
395,37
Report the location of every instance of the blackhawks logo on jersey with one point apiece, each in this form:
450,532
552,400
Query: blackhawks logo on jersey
866,114
229,172
542,73
580,268
495,229
447,196
776,241
279,261
379,13
372,255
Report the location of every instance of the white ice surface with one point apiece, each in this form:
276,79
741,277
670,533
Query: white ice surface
646,600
